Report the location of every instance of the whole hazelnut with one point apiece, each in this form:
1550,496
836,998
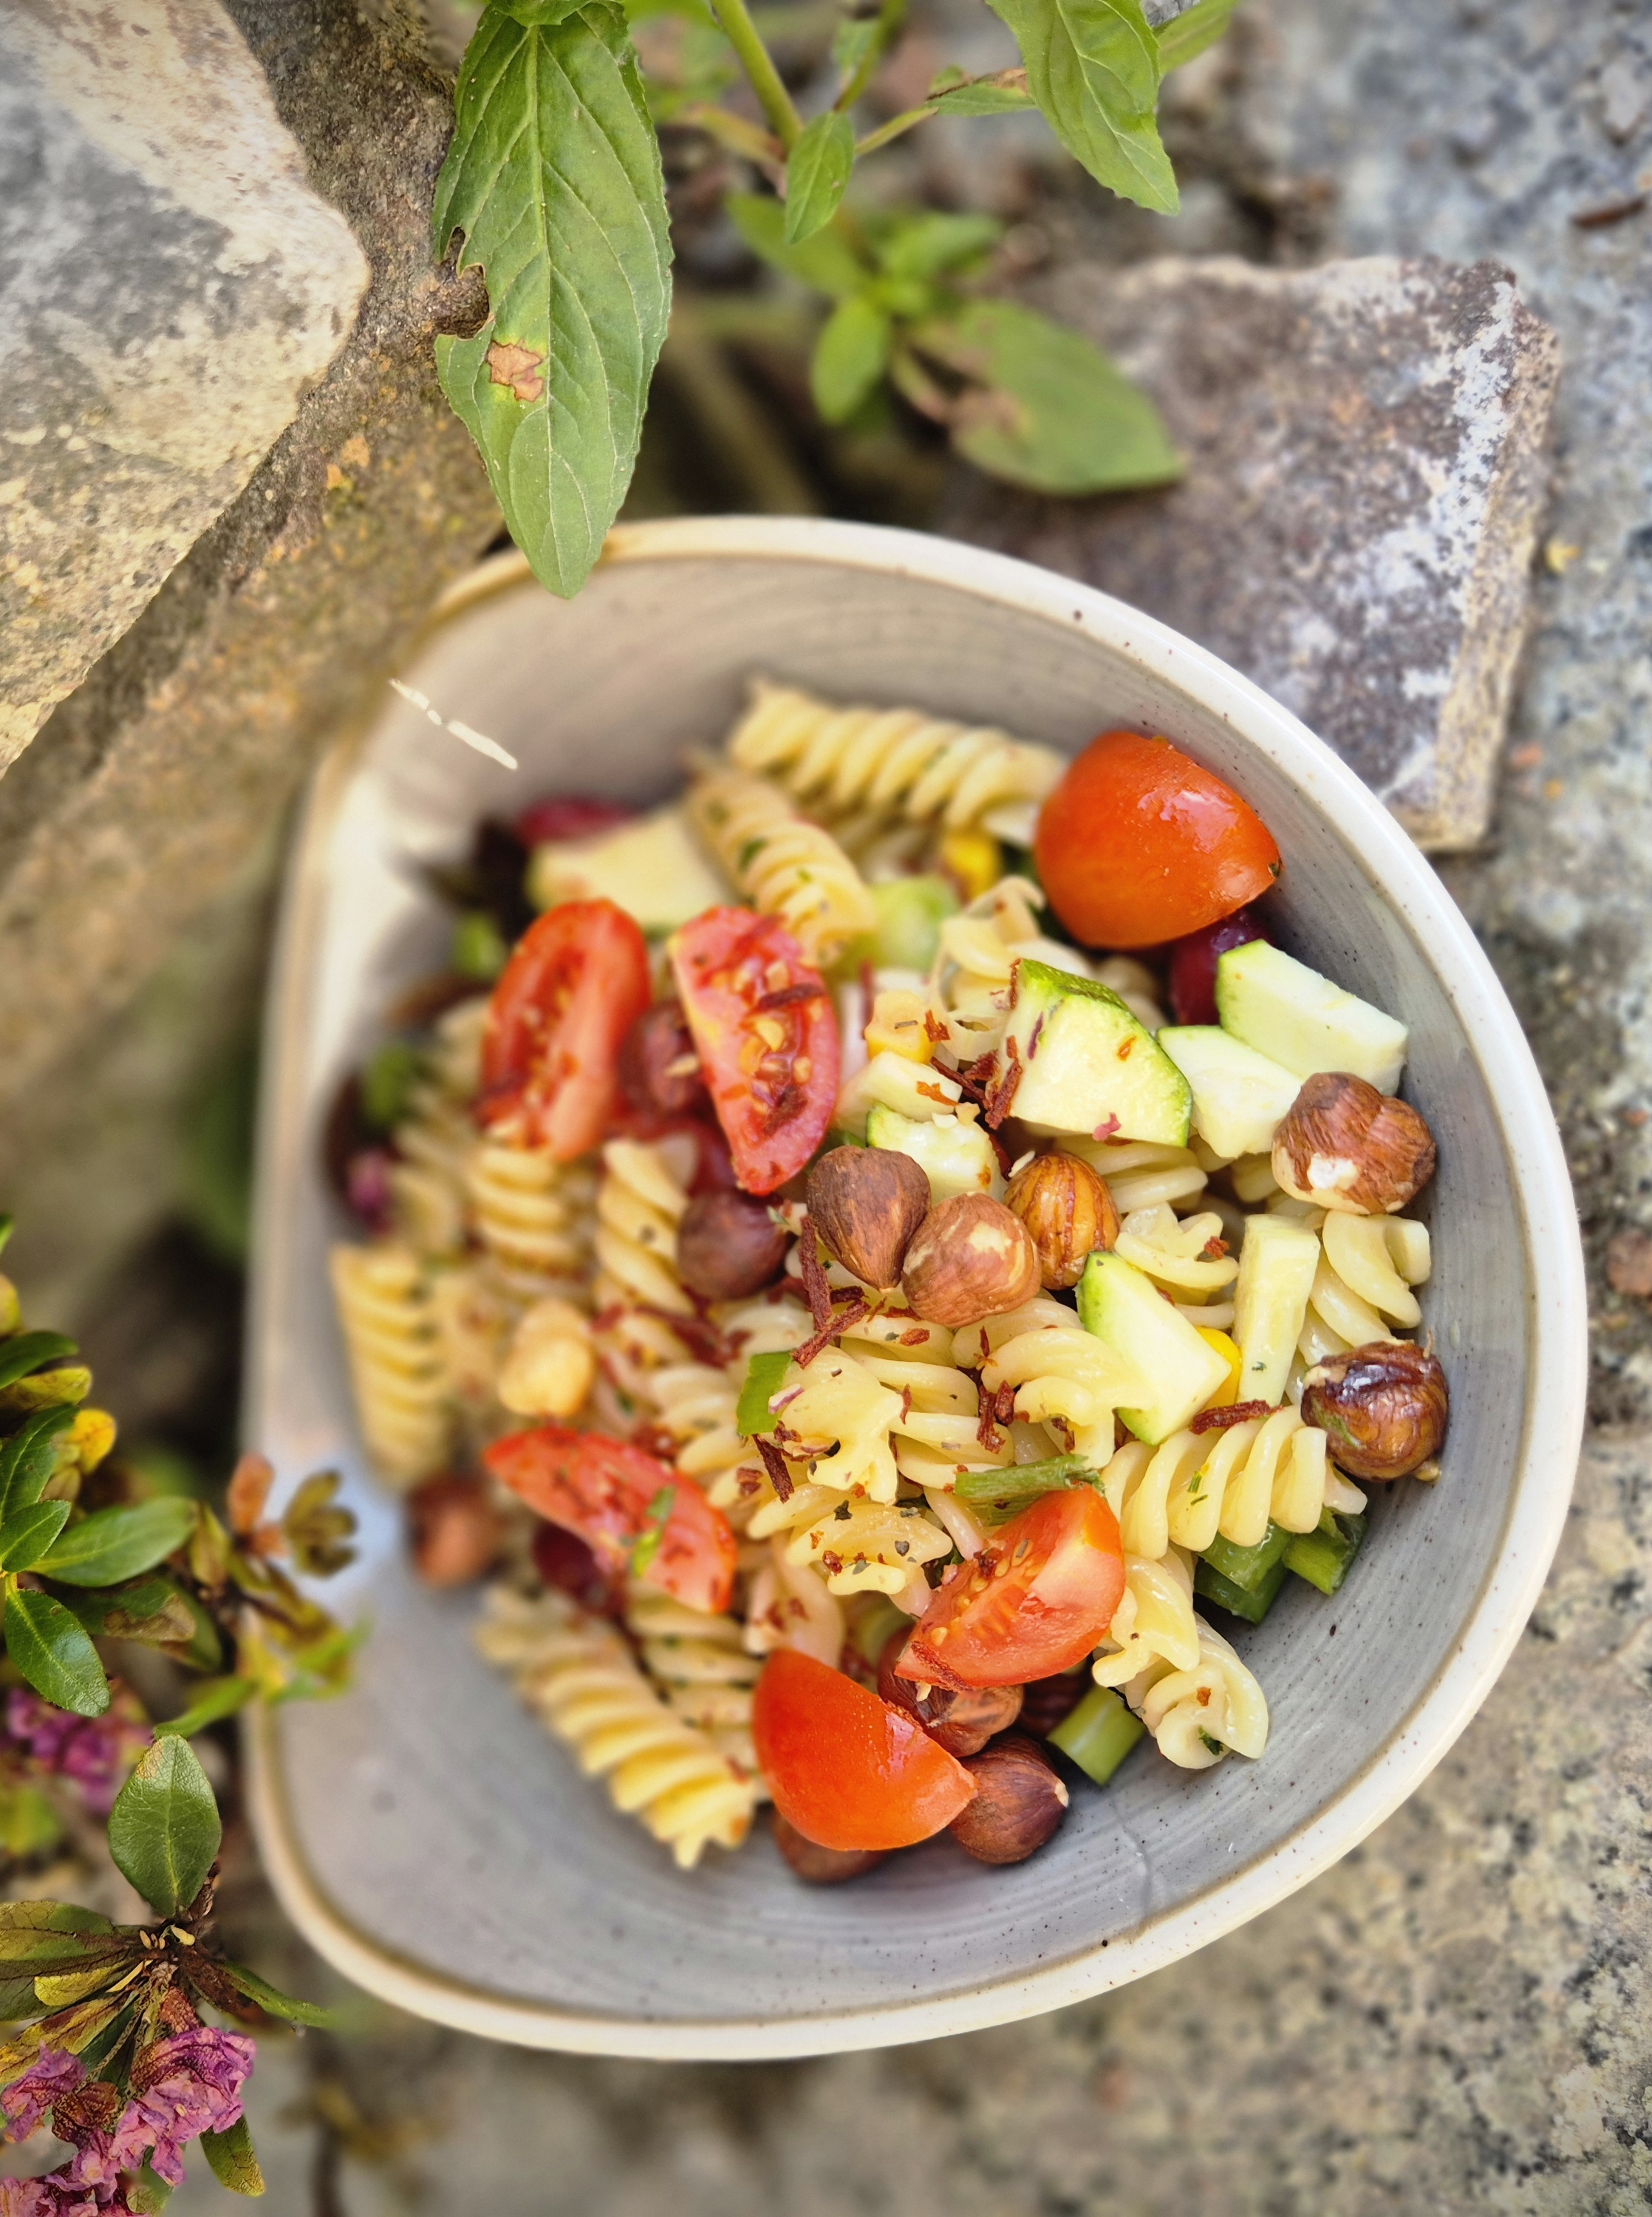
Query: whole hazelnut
456,1530
971,1257
962,1719
865,1204
659,1065
1019,1802
728,1246
1343,1145
1383,1408
823,1866
1048,1702
1068,1212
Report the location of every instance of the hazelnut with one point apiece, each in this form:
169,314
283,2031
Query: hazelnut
1068,1212
1343,1145
728,1246
962,1719
564,1561
659,1065
971,1257
456,1530
1050,1701
1018,1803
1383,1408
823,1866
867,1203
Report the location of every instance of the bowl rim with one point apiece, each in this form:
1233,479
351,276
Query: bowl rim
1556,1332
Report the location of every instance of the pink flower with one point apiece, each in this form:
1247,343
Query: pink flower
57,2197
53,2074
190,2085
96,1753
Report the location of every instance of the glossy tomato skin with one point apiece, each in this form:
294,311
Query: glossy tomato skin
1193,961
1064,1579
767,1033
846,1769
1138,844
604,1491
577,981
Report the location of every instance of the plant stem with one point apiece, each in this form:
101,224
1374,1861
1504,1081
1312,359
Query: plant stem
896,126
759,66
737,133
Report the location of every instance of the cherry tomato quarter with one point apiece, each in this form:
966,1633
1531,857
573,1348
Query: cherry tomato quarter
1193,961
1138,844
846,1769
635,1514
1033,1603
764,1024
577,981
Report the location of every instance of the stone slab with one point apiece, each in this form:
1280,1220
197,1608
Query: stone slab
1366,468
170,286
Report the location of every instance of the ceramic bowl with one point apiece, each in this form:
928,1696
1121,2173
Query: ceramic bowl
423,1831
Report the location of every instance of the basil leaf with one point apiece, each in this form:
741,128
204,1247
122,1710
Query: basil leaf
1187,36
164,1828
826,263
29,1351
1044,408
851,356
54,1654
272,1998
554,178
26,1537
1092,66
816,170
230,2156
28,1458
763,1375
113,1544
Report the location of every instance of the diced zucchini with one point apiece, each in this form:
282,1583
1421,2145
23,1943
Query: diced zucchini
956,1158
1098,1733
1239,1097
1250,1604
910,912
651,868
1179,1367
1290,1013
1324,1558
1270,1301
1249,1568
915,1089
1088,1064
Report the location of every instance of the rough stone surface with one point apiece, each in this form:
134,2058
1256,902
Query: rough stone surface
170,286
147,790
1366,446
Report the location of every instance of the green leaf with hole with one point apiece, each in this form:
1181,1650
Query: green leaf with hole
164,1828
553,178
113,1544
54,1654
1092,66
826,263
1186,35
1039,406
29,1456
232,2159
850,356
816,171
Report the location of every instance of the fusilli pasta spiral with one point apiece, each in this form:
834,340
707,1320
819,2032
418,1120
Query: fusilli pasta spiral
1154,1622
1062,1376
1196,1714
701,1663
782,865
400,1379
530,1213
1234,1481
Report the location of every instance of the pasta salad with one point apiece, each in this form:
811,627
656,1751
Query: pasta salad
886,1271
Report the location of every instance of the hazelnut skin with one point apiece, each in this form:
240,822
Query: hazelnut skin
659,1065
1048,1702
728,1246
961,1719
867,1203
1343,1145
1068,1212
823,1866
971,1257
456,1530
1383,1408
1019,1802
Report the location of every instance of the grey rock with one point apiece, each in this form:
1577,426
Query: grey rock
169,286
148,789
1366,468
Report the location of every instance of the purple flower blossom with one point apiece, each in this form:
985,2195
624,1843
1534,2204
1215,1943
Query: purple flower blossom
190,2085
53,2074
56,2196
96,1753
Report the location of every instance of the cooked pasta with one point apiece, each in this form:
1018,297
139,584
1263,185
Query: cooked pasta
872,764
1176,1253
639,1204
391,1335
1062,1376
1234,1481
1154,1622
1197,1713
530,1214
869,1546
1362,1286
577,1674
700,1664
783,865
436,1136
789,1606
1140,1173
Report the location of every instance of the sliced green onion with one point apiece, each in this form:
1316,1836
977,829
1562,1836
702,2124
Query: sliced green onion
1325,1557
1098,1733
763,1375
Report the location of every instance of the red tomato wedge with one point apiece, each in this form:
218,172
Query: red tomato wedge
764,1024
1063,1575
1138,844
845,1769
633,1513
575,982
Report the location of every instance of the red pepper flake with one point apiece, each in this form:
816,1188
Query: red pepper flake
918,1336
791,997
1106,1131
933,1030
934,1093
987,1430
1033,1044
1126,1050
786,1105
816,1288
996,1101
1004,1407
775,1463
1214,1250
1240,1412
906,1403
829,1331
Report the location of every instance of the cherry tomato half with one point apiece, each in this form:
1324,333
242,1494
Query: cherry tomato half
767,1033
1138,844
846,1769
636,1515
1193,961
577,981
1033,1603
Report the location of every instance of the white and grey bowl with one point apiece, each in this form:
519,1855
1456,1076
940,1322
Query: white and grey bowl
423,1831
